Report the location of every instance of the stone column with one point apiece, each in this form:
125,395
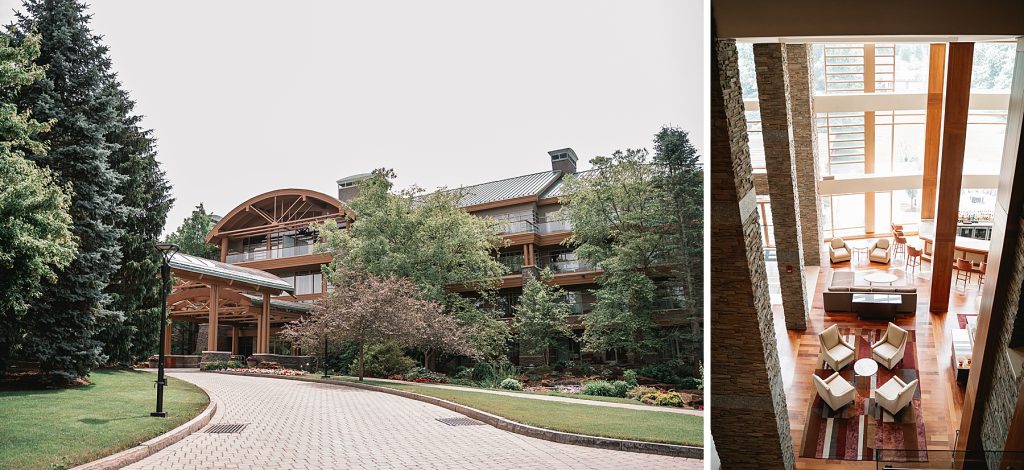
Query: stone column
780,163
749,420
805,148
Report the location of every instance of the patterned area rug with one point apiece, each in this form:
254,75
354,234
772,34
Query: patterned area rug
856,430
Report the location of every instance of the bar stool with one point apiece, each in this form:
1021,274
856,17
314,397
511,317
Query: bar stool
963,271
981,273
896,228
913,258
899,245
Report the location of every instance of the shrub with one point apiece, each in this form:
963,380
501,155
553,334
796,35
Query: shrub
218,365
629,376
490,375
689,383
382,360
465,374
424,375
654,396
584,368
510,384
235,365
620,388
638,392
599,388
663,373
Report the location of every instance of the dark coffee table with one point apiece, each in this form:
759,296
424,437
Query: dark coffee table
874,306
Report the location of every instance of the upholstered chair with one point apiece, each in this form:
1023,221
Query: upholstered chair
839,251
889,349
835,390
835,351
895,394
879,251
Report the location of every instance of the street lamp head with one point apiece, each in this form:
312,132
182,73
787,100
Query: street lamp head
167,249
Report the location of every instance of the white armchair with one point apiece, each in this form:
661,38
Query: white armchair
835,351
835,390
839,251
889,349
895,394
879,251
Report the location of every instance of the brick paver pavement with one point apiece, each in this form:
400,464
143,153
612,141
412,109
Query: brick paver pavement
301,425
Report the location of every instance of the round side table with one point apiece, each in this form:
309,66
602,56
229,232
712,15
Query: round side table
865,367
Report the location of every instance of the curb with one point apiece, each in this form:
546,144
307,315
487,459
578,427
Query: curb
672,450
156,444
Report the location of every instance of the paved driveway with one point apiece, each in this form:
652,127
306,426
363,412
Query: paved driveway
307,425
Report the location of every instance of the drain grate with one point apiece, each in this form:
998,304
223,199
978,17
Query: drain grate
460,421
225,428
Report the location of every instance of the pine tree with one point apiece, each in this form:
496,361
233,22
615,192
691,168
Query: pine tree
62,323
145,197
35,235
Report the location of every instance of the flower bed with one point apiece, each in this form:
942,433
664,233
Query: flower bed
260,370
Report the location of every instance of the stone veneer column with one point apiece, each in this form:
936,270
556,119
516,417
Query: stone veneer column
805,148
749,420
780,163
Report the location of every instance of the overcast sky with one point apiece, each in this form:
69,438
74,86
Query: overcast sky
251,96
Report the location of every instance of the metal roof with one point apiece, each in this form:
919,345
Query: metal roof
556,189
209,267
509,188
257,300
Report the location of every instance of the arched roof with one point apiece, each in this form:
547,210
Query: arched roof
279,207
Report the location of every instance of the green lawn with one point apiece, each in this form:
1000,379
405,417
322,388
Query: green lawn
55,428
621,423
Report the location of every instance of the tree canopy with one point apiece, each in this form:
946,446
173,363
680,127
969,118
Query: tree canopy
623,221
190,236
429,240
541,317
35,235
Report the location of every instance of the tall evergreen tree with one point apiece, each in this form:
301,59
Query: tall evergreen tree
35,234
63,321
145,197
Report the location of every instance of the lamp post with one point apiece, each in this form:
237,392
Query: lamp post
167,250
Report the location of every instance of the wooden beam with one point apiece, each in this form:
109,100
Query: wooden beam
932,128
234,339
224,250
211,344
265,336
951,170
996,309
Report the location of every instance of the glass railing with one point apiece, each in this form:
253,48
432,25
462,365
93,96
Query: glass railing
554,226
518,226
275,253
914,459
570,266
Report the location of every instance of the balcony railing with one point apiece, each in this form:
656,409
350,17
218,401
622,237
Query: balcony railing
274,253
518,226
554,226
668,303
570,266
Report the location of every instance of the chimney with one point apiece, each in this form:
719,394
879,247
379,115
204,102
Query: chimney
563,160
348,187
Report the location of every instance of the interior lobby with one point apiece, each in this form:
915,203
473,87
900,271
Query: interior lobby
867,251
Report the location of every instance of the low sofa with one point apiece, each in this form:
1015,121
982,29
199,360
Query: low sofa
838,296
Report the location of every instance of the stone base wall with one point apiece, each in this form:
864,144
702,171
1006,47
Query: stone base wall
215,356
176,361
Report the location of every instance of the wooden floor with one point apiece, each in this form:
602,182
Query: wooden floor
942,397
